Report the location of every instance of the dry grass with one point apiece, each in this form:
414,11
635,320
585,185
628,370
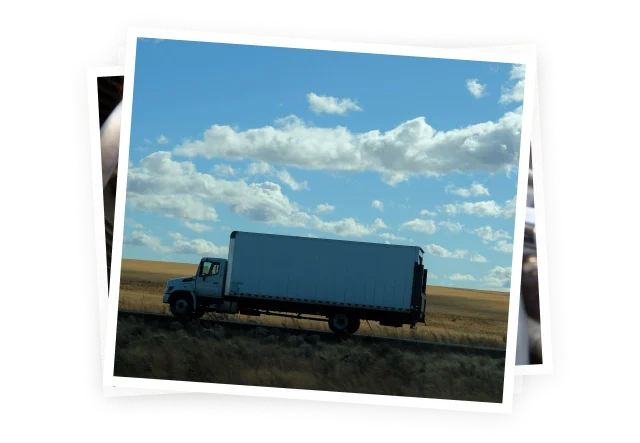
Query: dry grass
262,357
453,315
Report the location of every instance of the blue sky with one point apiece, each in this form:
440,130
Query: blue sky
363,147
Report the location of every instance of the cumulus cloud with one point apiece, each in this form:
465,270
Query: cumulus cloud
197,227
439,251
162,140
282,175
475,190
412,148
347,227
160,179
141,239
389,236
181,245
325,207
451,226
132,223
514,92
498,277
331,105
224,170
172,205
487,208
379,224
503,246
475,257
487,234
420,225
476,89
199,247
462,277
427,213
378,205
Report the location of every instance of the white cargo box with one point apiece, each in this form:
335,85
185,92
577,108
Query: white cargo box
321,270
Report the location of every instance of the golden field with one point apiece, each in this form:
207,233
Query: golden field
453,315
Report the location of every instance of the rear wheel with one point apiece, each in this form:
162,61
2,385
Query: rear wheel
182,306
341,324
354,325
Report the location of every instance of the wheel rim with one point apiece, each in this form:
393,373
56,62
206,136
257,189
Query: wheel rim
340,321
182,307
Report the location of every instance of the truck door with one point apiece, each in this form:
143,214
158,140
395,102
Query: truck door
209,279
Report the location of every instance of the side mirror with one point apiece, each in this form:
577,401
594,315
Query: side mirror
204,277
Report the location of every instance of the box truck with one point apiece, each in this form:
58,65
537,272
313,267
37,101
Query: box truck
343,282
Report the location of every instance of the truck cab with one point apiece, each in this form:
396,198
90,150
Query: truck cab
193,296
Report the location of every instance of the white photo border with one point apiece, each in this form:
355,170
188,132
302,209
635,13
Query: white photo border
525,57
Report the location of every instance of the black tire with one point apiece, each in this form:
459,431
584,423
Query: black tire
182,306
354,325
341,324
199,312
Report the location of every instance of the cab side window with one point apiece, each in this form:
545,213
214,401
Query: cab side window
210,268
206,268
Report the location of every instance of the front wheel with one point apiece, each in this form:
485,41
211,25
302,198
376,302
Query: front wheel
182,306
199,312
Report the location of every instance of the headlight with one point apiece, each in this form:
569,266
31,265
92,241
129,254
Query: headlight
168,289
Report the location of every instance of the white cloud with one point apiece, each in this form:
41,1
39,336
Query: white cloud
427,213
476,189
498,277
413,148
347,227
514,92
420,225
487,234
451,226
177,189
378,205
390,236
331,105
325,207
172,205
439,251
198,227
162,140
462,277
379,224
199,247
224,170
475,257
147,141
129,222
176,236
282,175
140,239
503,246
487,208
475,88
